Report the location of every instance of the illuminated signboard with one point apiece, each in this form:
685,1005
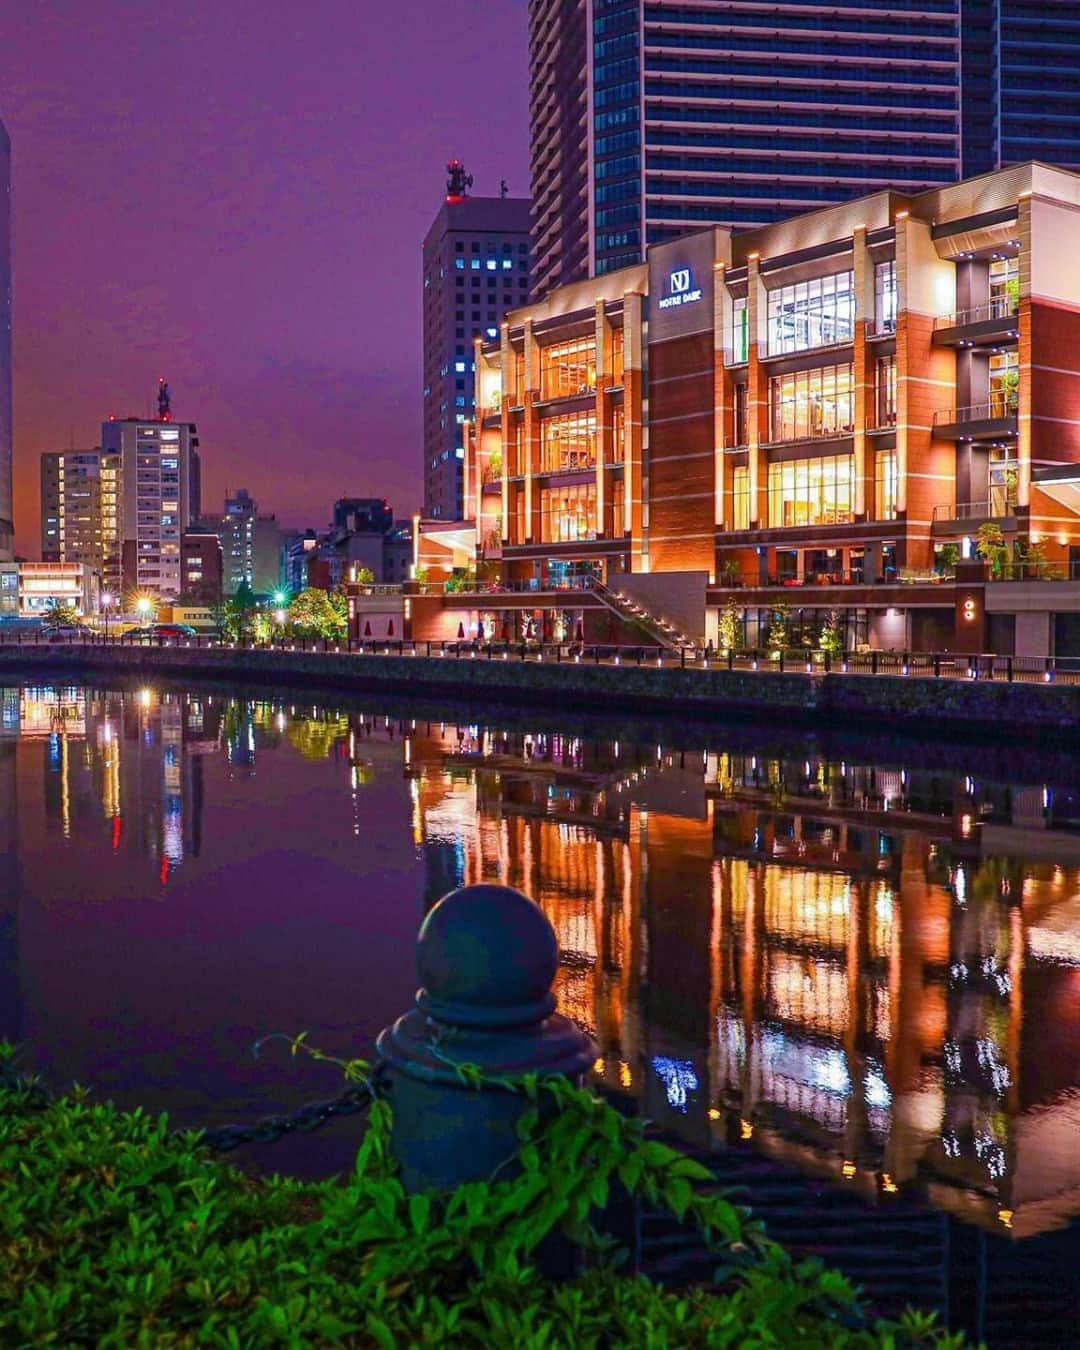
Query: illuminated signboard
681,289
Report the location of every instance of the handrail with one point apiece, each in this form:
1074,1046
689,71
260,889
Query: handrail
1005,405
1001,307
988,508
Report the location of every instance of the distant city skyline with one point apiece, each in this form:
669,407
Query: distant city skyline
256,237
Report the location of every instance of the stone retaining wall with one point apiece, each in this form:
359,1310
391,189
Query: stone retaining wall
864,700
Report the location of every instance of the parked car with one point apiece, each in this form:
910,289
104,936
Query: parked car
162,633
66,632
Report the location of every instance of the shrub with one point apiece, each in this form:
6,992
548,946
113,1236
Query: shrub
117,1232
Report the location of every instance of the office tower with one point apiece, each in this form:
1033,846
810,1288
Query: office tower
250,544
476,267
80,512
7,529
1021,98
155,467
649,120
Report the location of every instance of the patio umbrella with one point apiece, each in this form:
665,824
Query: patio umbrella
460,631
506,632
580,635
390,629
367,628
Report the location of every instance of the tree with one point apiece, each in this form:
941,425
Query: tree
59,613
777,640
239,611
364,576
831,639
313,613
992,548
729,632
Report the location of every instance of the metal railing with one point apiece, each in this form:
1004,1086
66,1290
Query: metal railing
1003,405
806,661
1002,307
989,508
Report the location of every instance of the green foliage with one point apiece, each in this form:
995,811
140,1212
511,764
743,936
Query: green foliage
730,628
314,613
58,614
239,613
116,1232
464,579
948,555
777,641
364,576
831,638
992,548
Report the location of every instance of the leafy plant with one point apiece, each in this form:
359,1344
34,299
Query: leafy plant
118,1232
240,612
315,613
992,548
777,641
948,555
364,576
59,614
730,629
831,637
463,579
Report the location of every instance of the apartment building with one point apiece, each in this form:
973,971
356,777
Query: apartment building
80,512
817,415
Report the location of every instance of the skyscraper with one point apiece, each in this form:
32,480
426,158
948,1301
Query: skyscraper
475,268
652,119
80,512
156,506
7,530
250,544
1021,97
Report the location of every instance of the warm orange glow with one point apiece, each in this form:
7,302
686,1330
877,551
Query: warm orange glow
848,1169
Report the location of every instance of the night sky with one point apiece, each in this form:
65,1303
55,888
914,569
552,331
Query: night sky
233,193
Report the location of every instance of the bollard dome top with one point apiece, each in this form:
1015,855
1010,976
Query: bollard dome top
487,956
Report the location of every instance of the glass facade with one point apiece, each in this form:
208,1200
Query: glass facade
568,369
885,392
819,312
817,491
885,485
568,442
809,403
568,514
885,297
741,492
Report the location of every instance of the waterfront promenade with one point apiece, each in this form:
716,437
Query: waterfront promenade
874,690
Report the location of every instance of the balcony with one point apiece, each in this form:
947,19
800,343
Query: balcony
963,517
995,420
992,323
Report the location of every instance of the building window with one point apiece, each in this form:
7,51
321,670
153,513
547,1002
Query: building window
568,368
812,491
568,442
885,485
618,433
885,297
1004,382
618,507
808,403
568,514
617,354
739,338
1004,286
815,313
741,487
885,392
1002,481
742,423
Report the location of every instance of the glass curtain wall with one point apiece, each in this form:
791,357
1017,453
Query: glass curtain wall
819,312
812,491
885,483
568,369
568,514
885,297
808,403
568,442
885,410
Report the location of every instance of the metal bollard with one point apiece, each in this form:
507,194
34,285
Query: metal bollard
486,956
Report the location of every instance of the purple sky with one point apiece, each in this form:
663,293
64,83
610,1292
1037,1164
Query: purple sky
233,193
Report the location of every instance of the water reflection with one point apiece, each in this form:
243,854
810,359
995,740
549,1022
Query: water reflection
868,971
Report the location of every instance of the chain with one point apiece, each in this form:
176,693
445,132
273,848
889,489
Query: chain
225,1138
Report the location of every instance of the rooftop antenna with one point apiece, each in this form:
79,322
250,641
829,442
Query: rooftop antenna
164,401
458,181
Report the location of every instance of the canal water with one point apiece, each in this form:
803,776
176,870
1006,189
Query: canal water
847,967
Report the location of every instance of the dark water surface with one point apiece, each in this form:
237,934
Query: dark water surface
849,967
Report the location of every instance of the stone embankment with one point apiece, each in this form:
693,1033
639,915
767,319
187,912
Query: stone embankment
869,701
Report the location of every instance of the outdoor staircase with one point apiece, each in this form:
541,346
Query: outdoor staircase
626,608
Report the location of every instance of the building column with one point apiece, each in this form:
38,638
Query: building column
531,435
604,449
757,415
1024,352
721,395
633,429
864,374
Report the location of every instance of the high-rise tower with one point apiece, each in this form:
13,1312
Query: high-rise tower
6,514
476,267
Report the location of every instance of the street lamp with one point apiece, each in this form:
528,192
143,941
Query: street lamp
106,601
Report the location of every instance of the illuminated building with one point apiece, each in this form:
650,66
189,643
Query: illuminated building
201,572
250,544
28,590
159,498
80,511
650,118
7,529
833,406
475,268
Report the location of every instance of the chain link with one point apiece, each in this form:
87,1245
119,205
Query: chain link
224,1138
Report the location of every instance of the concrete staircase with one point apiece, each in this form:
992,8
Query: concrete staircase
659,630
